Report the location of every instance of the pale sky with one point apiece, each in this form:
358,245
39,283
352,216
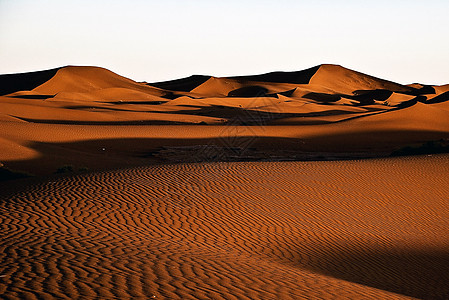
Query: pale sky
403,41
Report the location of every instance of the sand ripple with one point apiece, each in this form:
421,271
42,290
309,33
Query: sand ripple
368,229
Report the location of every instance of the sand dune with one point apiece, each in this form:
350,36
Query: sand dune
326,111
345,81
222,188
84,79
325,103
441,88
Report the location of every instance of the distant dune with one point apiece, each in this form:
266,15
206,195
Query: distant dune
69,115
245,187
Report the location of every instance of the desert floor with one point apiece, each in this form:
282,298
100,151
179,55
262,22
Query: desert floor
371,229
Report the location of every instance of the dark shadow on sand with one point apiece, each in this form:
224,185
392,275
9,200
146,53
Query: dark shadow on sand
440,98
93,123
11,83
299,77
31,97
181,85
250,117
420,273
126,152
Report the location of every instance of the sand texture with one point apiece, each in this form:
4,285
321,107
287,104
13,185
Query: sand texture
324,183
242,230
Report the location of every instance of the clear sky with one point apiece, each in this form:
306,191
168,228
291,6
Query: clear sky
403,41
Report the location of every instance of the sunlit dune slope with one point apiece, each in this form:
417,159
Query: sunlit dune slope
345,81
85,79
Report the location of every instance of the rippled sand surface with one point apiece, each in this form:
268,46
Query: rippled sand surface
361,229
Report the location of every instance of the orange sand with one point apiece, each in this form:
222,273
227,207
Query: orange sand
326,110
368,229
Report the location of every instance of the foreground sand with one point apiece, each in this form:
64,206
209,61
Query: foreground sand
363,229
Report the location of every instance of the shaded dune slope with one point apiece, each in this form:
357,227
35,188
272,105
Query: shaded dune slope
298,77
11,83
285,230
182,85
